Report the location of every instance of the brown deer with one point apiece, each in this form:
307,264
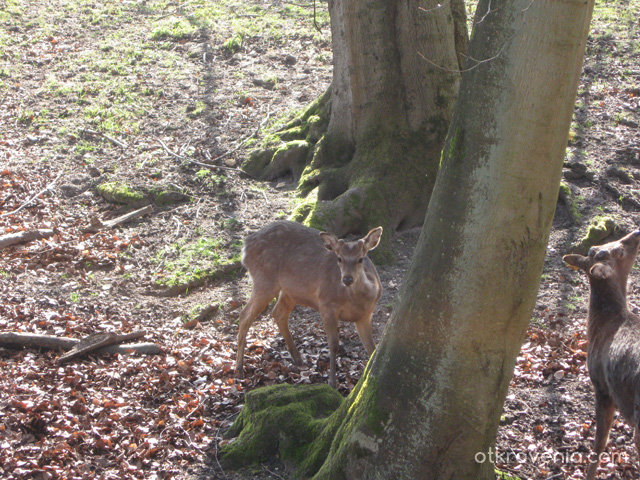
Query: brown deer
302,266
613,332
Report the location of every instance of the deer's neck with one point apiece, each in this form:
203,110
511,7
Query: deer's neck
368,285
607,304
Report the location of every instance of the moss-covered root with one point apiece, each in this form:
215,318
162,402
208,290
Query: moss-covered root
289,149
279,421
599,229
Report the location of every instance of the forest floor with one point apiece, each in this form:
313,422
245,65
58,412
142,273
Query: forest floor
128,99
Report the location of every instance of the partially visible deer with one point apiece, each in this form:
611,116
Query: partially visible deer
613,355
302,266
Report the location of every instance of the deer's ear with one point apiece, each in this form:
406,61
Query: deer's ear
372,239
330,241
575,261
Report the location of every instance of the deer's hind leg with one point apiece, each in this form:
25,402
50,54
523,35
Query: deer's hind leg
260,298
281,312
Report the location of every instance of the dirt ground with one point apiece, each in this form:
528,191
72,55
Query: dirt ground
141,93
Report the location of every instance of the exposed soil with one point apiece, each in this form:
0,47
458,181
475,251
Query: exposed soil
141,93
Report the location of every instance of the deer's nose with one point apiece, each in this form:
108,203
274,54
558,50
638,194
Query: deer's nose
347,280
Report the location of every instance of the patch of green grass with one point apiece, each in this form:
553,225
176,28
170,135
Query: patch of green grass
74,297
173,28
26,117
183,263
203,173
234,43
196,109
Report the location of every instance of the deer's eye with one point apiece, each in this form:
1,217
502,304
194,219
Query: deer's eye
360,260
339,259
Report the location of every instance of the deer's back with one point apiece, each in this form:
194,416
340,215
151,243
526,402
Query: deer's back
290,255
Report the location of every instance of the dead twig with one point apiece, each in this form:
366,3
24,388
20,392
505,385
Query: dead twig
104,135
173,154
97,224
246,139
48,187
315,20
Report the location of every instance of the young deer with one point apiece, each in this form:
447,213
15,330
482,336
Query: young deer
613,355
302,266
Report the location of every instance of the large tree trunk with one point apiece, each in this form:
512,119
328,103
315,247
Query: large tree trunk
431,397
395,79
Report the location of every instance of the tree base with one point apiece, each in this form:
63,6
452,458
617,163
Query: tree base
280,421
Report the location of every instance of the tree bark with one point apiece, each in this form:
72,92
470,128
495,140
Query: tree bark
429,402
395,80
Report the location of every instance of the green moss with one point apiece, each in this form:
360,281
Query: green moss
568,199
349,432
302,206
119,192
196,109
454,147
293,133
279,420
287,148
187,265
599,229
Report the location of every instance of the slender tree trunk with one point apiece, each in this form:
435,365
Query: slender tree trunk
395,80
431,398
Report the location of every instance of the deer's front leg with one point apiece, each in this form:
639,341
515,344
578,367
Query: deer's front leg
330,321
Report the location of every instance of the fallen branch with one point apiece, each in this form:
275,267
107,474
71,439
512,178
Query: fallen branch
48,187
16,340
97,224
95,342
23,237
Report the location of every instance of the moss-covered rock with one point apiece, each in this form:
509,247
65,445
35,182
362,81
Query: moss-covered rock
163,198
119,192
279,421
